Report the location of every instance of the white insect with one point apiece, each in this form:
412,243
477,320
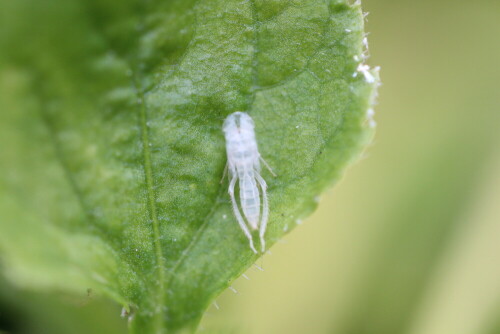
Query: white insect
243,161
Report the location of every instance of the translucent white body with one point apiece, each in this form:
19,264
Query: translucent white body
243,162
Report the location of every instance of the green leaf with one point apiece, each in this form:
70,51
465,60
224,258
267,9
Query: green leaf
112,149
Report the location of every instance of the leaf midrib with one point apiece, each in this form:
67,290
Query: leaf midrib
151,200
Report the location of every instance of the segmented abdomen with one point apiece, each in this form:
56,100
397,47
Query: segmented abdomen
250,199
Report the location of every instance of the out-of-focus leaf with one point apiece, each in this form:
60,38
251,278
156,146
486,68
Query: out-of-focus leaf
27,312
416,234
464,293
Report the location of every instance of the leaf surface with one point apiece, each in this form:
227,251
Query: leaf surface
112,149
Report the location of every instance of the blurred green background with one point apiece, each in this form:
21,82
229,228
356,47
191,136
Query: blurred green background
409,241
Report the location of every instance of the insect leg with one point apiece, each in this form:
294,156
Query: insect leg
237,213
265,211
225,172
267,166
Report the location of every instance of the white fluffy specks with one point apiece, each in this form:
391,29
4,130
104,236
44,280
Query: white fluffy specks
370,113
365,71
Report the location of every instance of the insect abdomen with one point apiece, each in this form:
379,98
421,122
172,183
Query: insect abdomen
250,200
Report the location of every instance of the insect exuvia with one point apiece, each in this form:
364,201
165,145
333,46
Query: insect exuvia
243,162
